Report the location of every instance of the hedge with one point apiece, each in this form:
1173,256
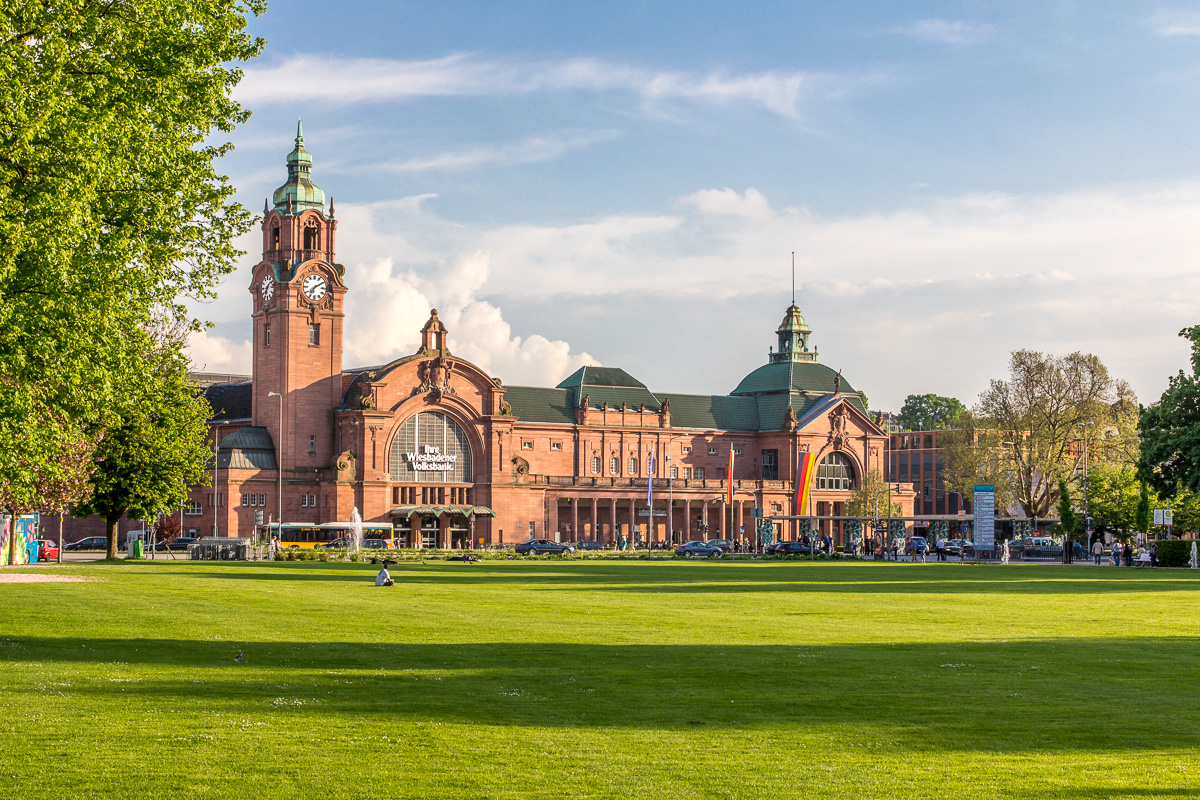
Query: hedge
1174,552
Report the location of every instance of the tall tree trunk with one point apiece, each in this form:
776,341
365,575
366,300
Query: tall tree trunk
112,523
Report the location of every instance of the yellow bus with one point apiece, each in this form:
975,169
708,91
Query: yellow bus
297,535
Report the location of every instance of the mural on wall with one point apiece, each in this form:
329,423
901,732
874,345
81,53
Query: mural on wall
15,544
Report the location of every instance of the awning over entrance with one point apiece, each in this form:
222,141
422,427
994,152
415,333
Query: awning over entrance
407,512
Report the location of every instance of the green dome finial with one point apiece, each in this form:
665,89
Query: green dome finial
299,192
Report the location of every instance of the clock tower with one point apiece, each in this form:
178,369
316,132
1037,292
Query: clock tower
297,292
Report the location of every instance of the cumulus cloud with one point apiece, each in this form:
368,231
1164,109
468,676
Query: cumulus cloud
927,297
945,31
356,80
210,352
390,303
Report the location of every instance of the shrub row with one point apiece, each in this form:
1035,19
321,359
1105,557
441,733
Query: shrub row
1174,552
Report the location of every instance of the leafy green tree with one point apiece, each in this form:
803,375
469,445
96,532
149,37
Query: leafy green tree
1040,412
149,458
1067,518
1113,494
870,497
1170,429
1141,521
925,412
110,207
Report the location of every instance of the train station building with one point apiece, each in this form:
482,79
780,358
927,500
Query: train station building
452,456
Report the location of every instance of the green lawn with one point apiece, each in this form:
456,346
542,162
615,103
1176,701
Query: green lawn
592,679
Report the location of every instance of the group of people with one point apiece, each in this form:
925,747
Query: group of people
1127,552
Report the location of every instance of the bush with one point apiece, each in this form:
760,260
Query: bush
291,555
1174,552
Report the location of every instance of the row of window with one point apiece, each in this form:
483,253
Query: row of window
431,495
308,501
259,500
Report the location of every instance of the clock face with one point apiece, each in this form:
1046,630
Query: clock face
268,288
314,287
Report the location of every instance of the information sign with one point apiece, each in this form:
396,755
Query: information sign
985,517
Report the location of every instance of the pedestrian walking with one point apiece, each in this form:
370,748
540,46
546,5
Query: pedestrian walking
895,549
1153,555
941,549
921,550
1129,550
1116,553
1097,551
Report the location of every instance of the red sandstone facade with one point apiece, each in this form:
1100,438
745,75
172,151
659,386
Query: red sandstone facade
453,457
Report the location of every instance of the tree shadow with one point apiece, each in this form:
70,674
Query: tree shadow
994,697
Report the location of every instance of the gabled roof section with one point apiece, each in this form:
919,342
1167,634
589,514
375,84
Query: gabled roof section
826,404
717,412
539,404
230,401
600,377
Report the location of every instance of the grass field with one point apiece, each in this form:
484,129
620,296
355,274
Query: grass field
592,679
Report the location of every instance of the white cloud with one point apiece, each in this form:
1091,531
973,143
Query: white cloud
212,353
533,149
929,297
358,80
945,31
389,304
727,202
1176,23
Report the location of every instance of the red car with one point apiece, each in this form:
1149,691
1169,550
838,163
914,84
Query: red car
47,550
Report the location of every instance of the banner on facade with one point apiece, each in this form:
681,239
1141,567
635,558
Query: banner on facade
985,518
805,467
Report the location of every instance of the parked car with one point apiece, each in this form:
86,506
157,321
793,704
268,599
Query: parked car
1035,547
910,547
787,549
703,549
89,543
959,547
589,545
47,549
725,545
178,544
540,547
376,544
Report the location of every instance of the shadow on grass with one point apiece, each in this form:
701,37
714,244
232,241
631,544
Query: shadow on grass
1056,694
672,577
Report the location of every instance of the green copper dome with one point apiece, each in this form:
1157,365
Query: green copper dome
300,193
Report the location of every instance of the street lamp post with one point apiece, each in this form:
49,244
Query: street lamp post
1087,510
279,461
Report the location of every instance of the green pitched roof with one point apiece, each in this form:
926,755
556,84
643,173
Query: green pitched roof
539,404
713,411
600,377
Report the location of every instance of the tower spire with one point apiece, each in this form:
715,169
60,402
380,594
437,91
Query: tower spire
299,193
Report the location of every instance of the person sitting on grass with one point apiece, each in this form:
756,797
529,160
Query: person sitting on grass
384,578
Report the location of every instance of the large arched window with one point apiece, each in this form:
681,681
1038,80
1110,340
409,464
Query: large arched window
431,448
835,472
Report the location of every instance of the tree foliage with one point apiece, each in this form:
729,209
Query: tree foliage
1170,429
149,458
925,412
1025,430
1067,518
870,497
110,207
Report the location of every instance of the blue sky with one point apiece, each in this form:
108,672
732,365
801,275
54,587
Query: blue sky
624,183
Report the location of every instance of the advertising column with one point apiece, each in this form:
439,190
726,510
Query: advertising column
985,518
